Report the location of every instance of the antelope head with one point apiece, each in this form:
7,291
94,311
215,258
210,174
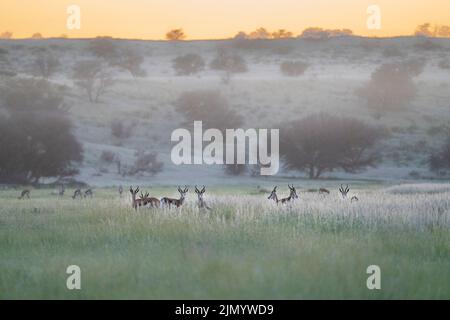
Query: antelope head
200,192
344,191
134,192
273,195
183,192
293,194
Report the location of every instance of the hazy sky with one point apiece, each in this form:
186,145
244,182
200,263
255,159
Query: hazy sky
203,19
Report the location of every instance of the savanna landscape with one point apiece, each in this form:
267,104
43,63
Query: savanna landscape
370,114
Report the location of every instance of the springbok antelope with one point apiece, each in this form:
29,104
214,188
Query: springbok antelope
135,203
273,195
149,201
24,193
344,191
292,196
201,202
88,193
323,191
176,202
77,193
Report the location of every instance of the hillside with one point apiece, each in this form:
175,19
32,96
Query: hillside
263,96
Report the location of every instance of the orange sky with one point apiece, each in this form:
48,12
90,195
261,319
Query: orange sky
213,19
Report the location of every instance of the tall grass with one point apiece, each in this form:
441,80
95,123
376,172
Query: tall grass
246,247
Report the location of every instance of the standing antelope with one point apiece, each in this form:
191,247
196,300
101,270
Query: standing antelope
177,202
147,200
323,191
344,191
60,192
24,193
292,195
77,193
88,193
273,195
135,203
201,202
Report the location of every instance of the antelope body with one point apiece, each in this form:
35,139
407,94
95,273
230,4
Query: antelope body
24,194
323,191
292,196
201,202
77,193
176,202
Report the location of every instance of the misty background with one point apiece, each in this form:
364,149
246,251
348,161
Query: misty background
101,111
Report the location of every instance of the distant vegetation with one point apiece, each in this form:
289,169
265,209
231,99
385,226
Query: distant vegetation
321,143
35,133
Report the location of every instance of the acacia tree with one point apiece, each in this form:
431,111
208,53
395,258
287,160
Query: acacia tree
391,86
322,143
188,64
229,63
175,35
35,133
94,77
45,65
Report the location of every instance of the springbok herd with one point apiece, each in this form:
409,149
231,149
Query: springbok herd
145,200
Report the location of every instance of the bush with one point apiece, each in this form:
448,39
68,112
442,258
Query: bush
391,86
104,47
229,63
35,133
321,143
93,77
208,106
131,61
188,64
146,162
107,157
293,68
45,65
119,130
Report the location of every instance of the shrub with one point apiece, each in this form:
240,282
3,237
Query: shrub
35,133
293,68
321,143
229,63
208,106
391,86
94,77
188,64
119,130
439,161
146,162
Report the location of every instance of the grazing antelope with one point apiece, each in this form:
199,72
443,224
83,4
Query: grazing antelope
201,202
120,191
323,191
344,191
24,193
292,196
88,193
77,193
150,201
176,202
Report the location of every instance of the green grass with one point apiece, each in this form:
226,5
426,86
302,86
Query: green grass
245,248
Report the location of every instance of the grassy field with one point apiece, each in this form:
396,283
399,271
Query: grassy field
245,248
